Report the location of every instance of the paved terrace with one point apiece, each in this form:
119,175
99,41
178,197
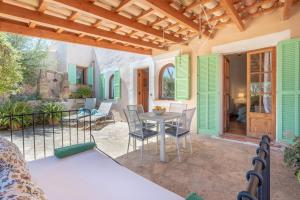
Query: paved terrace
216,169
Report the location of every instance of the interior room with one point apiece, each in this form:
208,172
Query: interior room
237,116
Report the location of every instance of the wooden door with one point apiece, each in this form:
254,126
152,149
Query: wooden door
226,94
143,88
261,92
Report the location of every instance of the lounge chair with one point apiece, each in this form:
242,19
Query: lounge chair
89,104
103,112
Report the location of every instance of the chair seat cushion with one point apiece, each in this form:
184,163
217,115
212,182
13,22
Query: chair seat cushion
173,131
147,133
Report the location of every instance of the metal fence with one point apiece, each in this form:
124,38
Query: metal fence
259,177
38,134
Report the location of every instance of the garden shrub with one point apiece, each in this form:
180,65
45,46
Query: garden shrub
292,157
52,111
16,109
84,92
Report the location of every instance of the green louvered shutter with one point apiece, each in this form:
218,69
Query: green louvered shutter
182,80
90,80
208,94
117,85
72,74
288,90
102,87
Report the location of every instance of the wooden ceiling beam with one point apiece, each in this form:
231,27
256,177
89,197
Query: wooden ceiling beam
232,12
34,16
37,32
122,5
42,6
163,7
286,9
87,7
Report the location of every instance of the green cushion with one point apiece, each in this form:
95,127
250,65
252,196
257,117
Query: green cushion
73,149
193,196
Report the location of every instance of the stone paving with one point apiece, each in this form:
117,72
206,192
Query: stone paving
215,170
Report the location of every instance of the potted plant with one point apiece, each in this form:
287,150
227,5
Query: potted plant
84,92
52,112
19,112
292,157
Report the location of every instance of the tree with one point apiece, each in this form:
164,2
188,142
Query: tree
33,55
10,69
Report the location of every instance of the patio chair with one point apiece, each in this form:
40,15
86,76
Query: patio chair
137,131
177,108
89,104
103,112
140,109
182,128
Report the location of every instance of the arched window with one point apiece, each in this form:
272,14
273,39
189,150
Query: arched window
167,82
111,87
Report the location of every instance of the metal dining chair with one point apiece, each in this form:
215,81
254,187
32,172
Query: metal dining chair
176,108
182,129
137,130
140,109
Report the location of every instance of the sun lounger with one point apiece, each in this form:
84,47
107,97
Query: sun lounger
103,112
89,104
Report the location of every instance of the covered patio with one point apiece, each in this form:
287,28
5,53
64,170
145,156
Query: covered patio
232,66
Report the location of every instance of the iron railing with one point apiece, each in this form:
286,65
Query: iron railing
259,177
38,134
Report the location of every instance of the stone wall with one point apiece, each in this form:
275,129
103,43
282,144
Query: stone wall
53,85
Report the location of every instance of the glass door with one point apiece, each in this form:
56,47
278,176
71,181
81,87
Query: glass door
261,92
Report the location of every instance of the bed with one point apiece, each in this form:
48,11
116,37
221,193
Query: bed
93,176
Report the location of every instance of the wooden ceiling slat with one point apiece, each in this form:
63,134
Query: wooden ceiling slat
32,25
24,30
89,8
67,24
74,16
144,14
195,4
163,7
122,5
232,12
42,6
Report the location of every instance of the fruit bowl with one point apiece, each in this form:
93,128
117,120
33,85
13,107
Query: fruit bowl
158,110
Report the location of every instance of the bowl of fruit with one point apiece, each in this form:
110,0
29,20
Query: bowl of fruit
158,110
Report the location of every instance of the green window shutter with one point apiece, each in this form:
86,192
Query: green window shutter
72,74
90,80
288,90
117,85
182,80
208,94
102,87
